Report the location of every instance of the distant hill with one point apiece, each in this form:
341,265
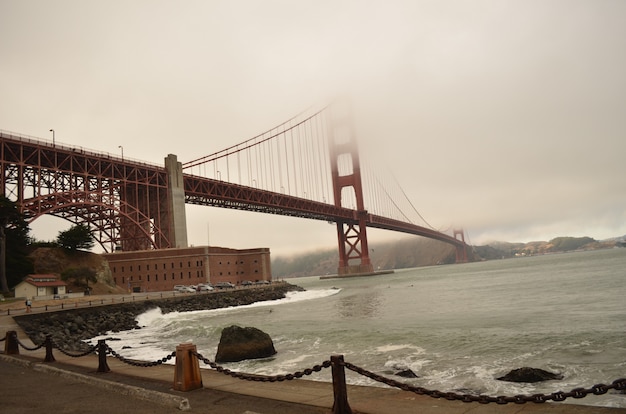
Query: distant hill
402,254
499,250
418,251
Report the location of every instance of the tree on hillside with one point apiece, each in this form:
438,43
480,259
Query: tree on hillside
76,238
14,240
81,276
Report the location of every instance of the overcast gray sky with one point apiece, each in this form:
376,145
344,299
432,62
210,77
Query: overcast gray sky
506,118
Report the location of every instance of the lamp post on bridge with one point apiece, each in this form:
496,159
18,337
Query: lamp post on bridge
122,148
52,130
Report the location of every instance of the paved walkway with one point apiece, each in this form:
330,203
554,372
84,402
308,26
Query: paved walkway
151,389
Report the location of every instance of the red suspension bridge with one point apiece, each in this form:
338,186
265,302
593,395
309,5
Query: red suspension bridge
307,167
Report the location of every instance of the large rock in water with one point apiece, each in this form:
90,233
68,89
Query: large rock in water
237,344
527,374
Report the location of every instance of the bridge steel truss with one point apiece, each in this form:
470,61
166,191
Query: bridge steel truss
124,203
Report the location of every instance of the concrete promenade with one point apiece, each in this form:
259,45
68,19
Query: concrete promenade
150,389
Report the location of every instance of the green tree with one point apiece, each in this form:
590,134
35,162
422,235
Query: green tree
14,241
81,276
76,238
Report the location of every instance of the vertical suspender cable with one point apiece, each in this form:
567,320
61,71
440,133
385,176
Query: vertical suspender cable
300,160
324,165
295,166
239,164
309,178
256,154
287,163
280,167
248,151
270,164
313,163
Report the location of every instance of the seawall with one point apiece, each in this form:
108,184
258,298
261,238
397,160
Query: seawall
68,328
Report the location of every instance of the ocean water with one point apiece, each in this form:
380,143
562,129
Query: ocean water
458,327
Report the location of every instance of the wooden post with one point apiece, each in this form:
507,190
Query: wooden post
187,373
102,356
49,356
340,390
11,346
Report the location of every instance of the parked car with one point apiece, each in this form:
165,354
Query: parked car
204,287
224,285
246,283
184,289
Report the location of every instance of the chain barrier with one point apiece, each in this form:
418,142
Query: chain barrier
91,350
598,389
139,363
36,347
263,378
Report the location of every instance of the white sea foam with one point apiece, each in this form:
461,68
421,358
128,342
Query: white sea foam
391,348
155,316
151,341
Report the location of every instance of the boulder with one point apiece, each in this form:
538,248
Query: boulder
237,344
406,373
527,374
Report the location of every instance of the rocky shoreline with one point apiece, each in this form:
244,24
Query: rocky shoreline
69,328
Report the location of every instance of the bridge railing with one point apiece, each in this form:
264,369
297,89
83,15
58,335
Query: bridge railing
74,148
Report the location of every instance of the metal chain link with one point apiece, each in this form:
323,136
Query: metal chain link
20,343
69,354
598,389
138,363
263,378
91,350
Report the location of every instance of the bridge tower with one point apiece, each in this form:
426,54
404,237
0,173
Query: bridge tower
176,202
346,175
461,251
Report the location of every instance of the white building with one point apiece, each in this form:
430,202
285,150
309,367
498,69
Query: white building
40,287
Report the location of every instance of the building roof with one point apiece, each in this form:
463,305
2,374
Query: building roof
44,281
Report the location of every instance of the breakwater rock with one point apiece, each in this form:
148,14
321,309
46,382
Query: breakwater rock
237,344
527,374
69,328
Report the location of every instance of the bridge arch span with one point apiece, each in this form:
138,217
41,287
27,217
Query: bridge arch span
112,225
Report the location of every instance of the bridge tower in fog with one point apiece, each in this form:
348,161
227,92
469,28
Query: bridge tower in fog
346,176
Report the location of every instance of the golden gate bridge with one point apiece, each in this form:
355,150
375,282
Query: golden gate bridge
308,167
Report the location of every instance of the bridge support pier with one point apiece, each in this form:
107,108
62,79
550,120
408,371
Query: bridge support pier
461,251
353,245
176,202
